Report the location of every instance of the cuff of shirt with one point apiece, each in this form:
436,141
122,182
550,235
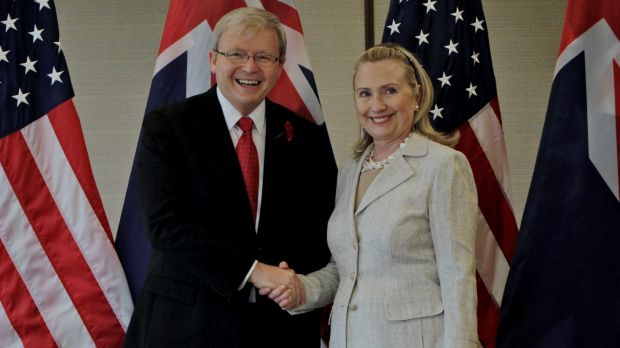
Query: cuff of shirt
247,276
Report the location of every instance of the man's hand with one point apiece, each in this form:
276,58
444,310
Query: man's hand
288,293
267,276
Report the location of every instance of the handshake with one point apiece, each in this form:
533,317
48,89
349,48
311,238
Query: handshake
280,284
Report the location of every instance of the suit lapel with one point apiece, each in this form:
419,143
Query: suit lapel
274,162
215,153
395,173
210,135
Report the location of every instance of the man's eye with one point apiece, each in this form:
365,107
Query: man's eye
236,55
265,58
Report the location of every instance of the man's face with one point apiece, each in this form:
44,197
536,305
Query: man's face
246,84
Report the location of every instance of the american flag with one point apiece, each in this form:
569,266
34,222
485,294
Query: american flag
182,70
61,282
450,37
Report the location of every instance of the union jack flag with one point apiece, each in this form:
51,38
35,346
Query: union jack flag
182,70
450,37
61,282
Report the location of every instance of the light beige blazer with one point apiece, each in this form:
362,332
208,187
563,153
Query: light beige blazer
403,267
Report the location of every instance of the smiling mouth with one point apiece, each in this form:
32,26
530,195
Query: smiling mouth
380,119
248,83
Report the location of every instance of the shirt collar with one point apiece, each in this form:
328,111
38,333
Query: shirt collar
232,116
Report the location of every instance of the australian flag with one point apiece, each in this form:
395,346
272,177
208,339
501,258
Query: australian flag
450,37
564,285
182,70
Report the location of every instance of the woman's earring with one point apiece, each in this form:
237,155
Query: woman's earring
417,107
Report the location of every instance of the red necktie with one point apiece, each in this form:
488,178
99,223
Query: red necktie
248,159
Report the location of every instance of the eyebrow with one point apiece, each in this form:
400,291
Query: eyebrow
391,84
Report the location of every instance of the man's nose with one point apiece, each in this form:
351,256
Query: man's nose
250,64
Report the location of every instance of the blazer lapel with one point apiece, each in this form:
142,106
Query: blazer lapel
395,173
351,176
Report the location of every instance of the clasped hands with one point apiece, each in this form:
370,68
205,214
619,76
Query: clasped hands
280,284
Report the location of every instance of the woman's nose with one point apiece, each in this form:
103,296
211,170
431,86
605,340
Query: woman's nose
377,103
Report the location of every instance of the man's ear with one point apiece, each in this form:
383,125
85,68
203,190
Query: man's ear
212,61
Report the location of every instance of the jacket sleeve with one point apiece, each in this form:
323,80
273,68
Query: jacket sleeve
320,288
453,211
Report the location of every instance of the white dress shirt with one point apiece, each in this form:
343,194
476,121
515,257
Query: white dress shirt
259,131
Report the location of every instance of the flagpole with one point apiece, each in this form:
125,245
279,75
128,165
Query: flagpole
369,22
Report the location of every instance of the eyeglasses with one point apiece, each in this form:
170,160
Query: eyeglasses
240,57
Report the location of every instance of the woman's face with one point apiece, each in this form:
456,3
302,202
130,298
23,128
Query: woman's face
384,101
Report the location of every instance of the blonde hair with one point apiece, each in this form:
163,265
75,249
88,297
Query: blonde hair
252,20
415,76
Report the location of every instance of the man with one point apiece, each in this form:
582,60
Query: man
215,232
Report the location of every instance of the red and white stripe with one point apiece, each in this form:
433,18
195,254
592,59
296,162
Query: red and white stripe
293,89
7,332
482,141
63,284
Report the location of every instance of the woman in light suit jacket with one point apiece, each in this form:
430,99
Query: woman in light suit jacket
402,233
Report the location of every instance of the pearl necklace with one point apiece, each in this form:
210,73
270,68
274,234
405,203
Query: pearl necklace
370,164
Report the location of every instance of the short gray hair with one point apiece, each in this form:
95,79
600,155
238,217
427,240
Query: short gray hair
251,19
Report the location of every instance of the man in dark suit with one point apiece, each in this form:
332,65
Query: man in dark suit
217,228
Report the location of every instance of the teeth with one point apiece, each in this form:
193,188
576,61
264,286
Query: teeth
379,119
248,82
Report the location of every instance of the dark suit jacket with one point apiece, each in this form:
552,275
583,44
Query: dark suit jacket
199,222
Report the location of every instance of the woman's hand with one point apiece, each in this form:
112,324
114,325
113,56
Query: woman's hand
289,293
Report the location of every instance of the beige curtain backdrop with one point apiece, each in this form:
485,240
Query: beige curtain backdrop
111,48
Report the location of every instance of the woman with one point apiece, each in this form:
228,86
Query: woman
402,233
